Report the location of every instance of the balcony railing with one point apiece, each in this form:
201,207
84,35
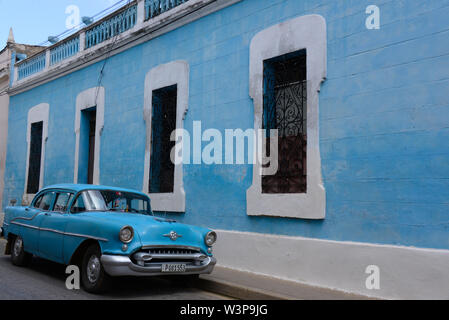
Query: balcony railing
65,50
122,20
154,8
115,25
31,66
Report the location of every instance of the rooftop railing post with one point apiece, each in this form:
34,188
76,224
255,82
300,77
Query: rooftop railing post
82,41
140,12
47,59
16,75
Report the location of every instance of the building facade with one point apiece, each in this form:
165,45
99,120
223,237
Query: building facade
360,112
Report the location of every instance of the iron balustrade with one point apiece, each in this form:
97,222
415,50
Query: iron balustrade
111,27
154,8
64,50
31,66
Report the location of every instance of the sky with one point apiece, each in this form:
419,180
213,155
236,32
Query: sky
34,20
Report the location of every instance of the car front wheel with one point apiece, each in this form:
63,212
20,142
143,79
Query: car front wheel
18,255
93,276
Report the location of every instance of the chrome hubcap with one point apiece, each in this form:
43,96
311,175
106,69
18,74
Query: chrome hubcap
18,246
93,269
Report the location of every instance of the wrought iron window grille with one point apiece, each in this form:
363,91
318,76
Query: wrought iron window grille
285,109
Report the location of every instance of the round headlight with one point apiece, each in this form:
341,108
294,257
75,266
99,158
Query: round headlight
211,238
126,234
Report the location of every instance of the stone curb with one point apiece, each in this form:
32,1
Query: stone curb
250,286
236,291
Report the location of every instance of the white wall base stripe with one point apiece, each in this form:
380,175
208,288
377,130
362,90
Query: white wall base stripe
405,272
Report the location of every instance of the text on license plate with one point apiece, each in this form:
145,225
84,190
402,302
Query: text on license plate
173,268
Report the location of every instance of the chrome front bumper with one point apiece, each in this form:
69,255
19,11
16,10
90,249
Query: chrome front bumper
119,266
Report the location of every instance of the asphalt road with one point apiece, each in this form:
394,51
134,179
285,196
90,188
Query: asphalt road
45,280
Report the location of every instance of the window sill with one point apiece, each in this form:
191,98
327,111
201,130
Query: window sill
169,202
311,205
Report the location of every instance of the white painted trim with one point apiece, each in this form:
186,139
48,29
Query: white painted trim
165,75
47,59
38,113
82,41
140,12
306,32
405,272
93,97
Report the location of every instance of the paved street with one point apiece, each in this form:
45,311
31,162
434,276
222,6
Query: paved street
46,280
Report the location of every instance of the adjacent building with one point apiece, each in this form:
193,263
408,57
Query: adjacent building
359,114
12,53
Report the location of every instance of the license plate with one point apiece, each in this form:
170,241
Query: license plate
173,268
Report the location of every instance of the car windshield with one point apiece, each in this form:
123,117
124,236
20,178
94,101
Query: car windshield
108,200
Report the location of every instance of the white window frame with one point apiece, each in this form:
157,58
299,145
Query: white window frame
172,73
309,33
93,97
38,113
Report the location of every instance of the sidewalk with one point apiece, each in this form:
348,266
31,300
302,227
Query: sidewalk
249,286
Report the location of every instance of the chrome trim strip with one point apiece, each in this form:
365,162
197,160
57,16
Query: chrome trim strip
85,236
79,235
51,230
26,218
25,225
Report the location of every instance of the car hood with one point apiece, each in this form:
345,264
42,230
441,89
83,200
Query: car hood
154,231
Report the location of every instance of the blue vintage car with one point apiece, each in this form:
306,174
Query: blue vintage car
107,232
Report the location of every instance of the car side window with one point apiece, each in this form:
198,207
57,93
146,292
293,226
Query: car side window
37,203
62,201
78,205
44,202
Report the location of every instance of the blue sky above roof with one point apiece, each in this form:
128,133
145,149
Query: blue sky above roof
33,21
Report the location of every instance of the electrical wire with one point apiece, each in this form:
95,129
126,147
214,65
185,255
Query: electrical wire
98,16
100,77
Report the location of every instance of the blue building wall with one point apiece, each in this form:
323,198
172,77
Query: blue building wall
384,114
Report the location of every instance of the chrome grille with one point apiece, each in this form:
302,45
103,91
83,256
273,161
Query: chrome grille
150,256
172,251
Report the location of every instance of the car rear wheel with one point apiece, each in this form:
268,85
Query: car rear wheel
19,257
93,276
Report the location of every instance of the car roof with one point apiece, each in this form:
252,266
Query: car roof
81,187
